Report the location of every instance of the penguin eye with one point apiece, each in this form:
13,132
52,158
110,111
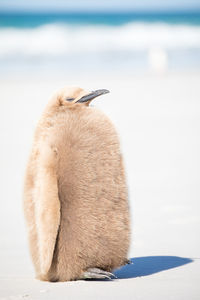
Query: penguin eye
69,99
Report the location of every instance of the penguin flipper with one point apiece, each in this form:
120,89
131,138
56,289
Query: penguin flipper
47,206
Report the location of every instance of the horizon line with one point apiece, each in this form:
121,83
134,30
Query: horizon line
102,11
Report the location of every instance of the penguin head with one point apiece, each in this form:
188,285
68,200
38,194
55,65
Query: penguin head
70,96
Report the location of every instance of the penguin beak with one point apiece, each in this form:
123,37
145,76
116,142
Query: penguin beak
92,95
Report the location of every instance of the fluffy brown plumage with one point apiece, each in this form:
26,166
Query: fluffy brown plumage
75,196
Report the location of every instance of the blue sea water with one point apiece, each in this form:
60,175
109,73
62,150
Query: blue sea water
114,41
24,20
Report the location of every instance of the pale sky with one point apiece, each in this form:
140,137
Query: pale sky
105,5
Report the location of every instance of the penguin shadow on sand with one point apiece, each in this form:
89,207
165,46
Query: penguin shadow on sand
147,265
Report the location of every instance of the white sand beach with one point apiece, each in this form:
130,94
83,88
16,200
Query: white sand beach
158,120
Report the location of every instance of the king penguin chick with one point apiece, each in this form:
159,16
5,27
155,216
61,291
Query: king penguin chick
75,195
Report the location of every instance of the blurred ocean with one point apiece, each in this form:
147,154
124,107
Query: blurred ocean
84,42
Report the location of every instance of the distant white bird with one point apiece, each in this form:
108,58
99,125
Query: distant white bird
158,59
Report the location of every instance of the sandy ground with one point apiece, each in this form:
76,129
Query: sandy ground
158,119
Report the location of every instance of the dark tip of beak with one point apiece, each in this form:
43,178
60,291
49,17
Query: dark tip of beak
93,95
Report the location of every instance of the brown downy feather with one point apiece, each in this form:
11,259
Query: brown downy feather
75,195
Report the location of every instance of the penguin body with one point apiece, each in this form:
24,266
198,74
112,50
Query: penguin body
75,195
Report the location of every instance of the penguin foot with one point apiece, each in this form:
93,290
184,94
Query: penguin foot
129,262
96,273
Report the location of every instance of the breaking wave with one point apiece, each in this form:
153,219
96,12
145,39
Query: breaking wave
60,40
